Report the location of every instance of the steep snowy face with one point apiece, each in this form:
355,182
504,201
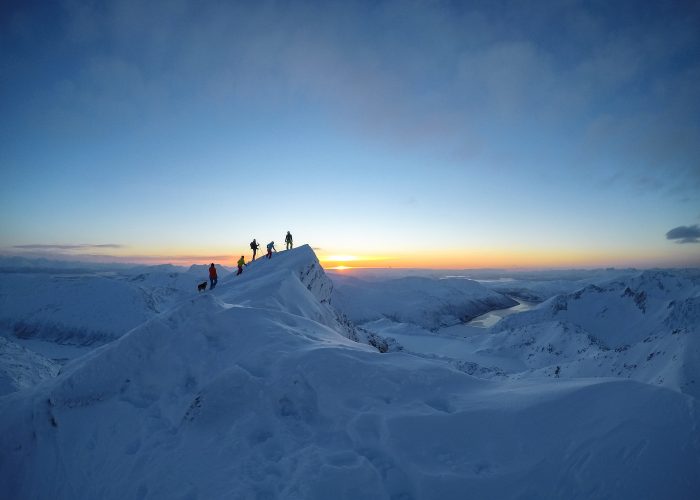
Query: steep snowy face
646,328
312,276
429,303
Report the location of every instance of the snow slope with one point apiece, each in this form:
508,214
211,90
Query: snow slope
89,307
253,391
426,302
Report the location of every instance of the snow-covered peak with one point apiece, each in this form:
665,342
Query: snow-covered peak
291,281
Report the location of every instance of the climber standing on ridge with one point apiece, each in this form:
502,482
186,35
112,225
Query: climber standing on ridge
241,263
212,276
288,240
254,245
270,248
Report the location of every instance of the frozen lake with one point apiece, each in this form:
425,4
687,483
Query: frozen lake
492,317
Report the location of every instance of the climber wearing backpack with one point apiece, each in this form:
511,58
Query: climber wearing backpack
288,240
254,245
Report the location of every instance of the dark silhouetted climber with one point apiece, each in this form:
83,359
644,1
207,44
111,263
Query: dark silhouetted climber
241,263
288,240
212,276
270,248
254,245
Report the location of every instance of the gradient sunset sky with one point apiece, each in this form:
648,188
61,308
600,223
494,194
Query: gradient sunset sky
404,134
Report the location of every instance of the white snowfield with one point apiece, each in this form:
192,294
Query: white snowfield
254,391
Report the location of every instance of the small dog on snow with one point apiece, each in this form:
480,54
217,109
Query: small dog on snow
202,286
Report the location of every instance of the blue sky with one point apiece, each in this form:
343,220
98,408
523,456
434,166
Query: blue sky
448,134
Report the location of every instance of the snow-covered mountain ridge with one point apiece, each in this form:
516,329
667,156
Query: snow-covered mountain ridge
646,327
254,391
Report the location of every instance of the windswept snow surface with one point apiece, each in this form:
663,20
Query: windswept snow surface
253,391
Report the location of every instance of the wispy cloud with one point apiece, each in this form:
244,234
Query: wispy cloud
80,246
87,254
685,234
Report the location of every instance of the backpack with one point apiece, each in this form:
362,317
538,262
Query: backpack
252,245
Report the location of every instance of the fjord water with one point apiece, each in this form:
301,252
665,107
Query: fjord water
490,318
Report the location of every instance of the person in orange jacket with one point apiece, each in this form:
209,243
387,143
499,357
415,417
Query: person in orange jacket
241,263
212,276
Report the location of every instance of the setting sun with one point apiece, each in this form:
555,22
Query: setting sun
340,261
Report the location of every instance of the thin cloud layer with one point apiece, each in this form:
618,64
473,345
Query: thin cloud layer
81,246
433,76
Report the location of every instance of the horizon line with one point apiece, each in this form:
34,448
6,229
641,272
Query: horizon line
334,264
149,261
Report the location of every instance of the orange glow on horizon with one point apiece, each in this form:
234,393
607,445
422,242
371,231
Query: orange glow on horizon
497,258
339,262
446,259
341,258
422,258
